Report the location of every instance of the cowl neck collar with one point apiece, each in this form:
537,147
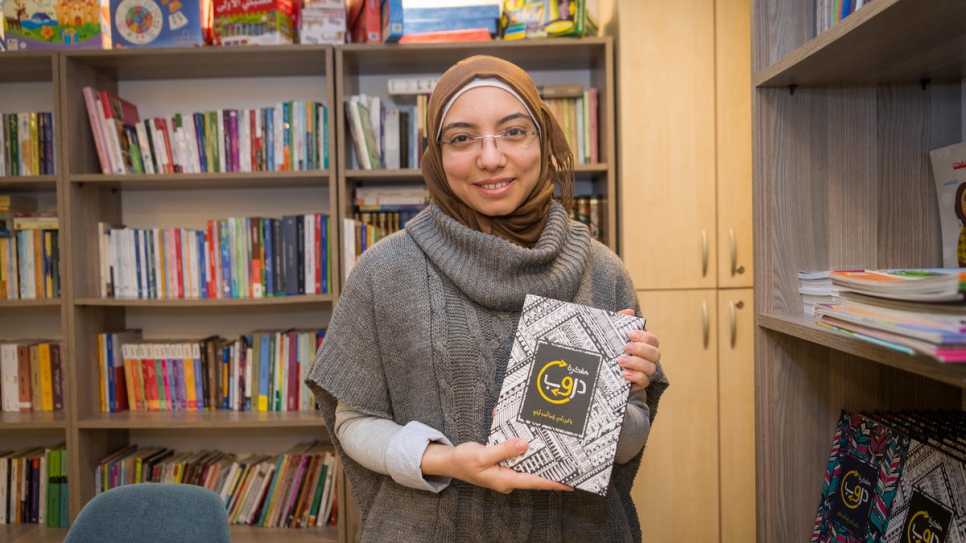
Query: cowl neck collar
496,273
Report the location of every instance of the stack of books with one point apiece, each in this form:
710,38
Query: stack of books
915,311
816,288
29,253
33,486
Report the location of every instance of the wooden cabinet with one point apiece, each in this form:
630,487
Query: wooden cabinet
842,126
678,482
685,223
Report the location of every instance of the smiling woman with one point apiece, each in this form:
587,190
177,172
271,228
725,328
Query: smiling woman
408,378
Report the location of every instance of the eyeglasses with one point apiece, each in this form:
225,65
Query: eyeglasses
513,138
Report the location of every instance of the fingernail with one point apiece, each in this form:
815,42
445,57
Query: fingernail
629,347
628,374
634,335
521,445
622,360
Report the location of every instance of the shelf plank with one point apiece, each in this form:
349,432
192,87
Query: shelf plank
33,420
200,181
31,533
220,419
27,66
21,183
804,327
926,40
20,304
206,62
207,302
555,54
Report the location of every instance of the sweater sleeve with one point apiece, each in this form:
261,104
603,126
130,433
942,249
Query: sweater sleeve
385,447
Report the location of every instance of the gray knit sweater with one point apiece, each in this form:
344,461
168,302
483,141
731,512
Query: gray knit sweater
423,330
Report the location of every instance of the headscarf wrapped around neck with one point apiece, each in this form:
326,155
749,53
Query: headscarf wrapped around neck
524,225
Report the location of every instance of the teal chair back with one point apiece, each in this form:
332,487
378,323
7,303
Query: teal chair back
152,512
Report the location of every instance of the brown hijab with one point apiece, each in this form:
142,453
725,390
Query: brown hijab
525,224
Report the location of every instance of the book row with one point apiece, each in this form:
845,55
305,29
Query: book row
393,135
27,143
895,476
31,376
29,264
33,486
592,211
238,257
289,136
259,371
295,489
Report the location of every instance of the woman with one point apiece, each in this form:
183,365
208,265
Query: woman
417,346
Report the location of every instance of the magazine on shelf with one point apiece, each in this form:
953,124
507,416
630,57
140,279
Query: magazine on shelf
563,392
915,284
949,174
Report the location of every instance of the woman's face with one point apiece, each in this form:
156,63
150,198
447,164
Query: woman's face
493,175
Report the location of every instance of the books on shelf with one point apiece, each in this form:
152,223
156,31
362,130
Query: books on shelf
592,211
32,376
564,393
237,257
295,489
260,371
816,288
33,486
830,12
289,136
27,144
949,174
894,474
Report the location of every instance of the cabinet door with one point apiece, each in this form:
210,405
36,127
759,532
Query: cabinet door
736,413
733,138
667,172
676,491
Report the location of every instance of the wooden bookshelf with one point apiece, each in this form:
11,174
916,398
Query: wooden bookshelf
842,180
85,196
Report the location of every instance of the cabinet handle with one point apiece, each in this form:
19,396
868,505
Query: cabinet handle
733,306
706,328
704,253
735,268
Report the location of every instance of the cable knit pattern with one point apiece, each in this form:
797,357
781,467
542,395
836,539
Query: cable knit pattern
423,331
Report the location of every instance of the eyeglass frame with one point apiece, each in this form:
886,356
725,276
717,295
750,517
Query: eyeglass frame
494,137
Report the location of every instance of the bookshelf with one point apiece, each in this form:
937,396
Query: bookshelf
165,81
29,83
842,126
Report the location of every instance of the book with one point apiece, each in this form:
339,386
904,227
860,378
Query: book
146,23
861,481
949,174
564,393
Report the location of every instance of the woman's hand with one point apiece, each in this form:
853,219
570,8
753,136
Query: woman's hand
480,465
641,357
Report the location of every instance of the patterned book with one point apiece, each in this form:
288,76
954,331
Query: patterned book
563,392
860,482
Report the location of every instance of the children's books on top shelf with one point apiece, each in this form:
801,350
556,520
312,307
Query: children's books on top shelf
56,24
949,173
163,23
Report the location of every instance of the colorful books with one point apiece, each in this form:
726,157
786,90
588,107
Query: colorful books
564,393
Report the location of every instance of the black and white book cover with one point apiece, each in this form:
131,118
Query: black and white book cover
564,393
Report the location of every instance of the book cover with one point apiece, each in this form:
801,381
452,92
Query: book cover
861,481
563,392
56,24
147,23
949,174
